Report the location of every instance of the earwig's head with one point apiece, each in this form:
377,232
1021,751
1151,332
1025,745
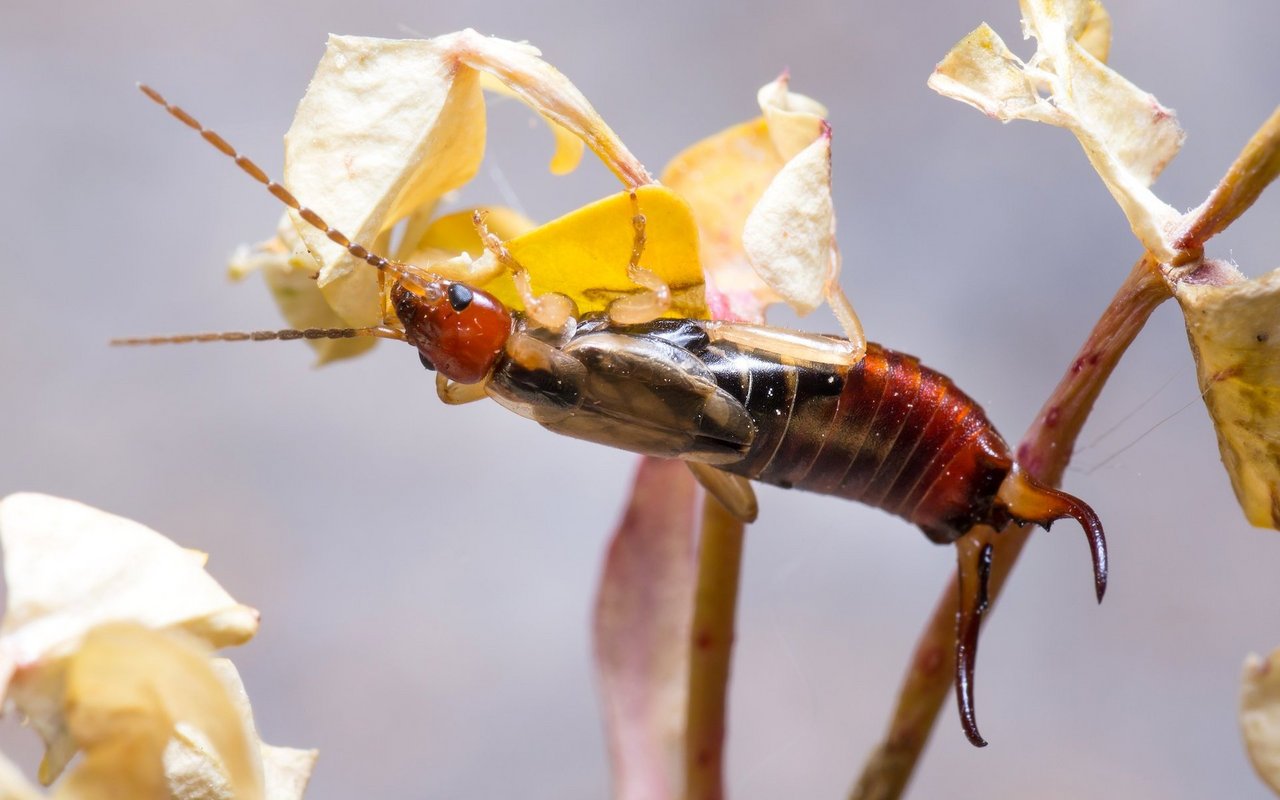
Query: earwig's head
458,329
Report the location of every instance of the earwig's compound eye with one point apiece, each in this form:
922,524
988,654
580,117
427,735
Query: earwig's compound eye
426,362
459,296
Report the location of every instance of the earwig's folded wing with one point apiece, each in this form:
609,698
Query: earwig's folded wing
650,396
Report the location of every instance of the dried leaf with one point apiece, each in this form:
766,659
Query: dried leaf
1126,134
642,630
1260,715
1234,328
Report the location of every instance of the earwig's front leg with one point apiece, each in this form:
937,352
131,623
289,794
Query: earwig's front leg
655,299
456,394
551,310
733,491
973,552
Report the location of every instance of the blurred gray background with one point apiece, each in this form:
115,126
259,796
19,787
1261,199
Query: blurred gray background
426,574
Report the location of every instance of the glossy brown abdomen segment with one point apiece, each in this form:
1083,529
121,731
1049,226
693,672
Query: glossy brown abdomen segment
887,432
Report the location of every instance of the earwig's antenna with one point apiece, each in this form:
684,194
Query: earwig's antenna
282,194
262,336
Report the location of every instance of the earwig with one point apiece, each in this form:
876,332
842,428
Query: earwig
737,402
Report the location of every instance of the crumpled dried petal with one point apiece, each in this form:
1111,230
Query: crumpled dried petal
761,191
70,568
1126,134
387,127
1234,328
569,147
195,771
790,234
128,690
290,273
1260,715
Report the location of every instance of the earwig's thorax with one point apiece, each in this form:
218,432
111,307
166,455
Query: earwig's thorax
458,329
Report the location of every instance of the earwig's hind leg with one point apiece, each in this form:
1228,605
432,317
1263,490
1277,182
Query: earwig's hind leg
456,394
733,491
655,299
552,310
974,556
1026,501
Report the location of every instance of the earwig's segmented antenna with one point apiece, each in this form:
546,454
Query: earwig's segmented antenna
262,336
282,194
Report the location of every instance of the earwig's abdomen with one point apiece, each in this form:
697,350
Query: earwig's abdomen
887,432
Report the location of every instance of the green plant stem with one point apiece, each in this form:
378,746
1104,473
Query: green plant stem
1044,453
711,650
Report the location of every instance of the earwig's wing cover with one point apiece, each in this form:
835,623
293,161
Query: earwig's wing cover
1125,132
651,397
1235,334
1260,715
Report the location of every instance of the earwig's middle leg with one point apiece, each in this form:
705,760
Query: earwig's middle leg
551,310
654,299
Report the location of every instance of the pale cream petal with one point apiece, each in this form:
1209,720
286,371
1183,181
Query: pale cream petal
195,771
129,690
569,148
290,274
1127,135
981,71
789,234
794,120
1235,335
70,567
1260,715
541,85
386,126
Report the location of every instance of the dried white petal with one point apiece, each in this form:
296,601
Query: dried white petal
789,235
1260,715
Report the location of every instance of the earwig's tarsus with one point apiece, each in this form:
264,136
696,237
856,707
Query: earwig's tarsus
974,557
1026,501
654,299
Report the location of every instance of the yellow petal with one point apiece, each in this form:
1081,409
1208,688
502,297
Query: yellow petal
128,688
1260,715
568,153
1235,336
789,235
585,253
456,233
290,274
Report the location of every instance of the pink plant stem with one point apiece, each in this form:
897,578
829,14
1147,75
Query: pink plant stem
714,617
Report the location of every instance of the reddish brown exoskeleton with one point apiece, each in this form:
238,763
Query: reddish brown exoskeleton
736,402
